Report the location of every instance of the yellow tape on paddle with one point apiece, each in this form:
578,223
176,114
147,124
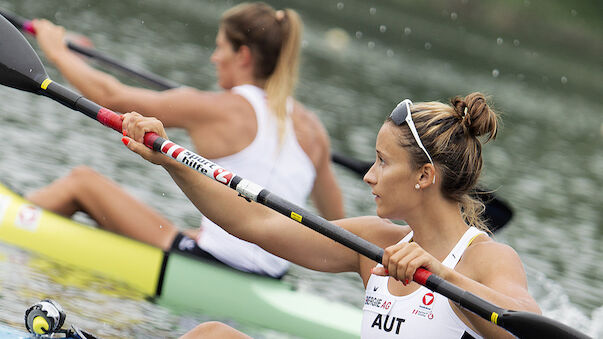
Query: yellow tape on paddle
296,217
45,84
494,318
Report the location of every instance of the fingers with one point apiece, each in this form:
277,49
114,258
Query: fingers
145,152
51,38
136,126
401,261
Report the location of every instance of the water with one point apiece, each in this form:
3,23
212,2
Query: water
539,60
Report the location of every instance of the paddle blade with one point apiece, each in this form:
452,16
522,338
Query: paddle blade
529,325
20,66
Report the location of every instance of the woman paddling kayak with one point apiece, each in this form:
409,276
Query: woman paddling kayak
253,126
428,161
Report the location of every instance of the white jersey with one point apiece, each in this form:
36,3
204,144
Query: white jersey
421,314
281,167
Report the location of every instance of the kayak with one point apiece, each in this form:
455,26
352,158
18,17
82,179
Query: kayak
174,279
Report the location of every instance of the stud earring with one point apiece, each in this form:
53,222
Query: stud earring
417,186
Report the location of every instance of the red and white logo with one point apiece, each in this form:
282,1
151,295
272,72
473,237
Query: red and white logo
28,217
223,176
428,299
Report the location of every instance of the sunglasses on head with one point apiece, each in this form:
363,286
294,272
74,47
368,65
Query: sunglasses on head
402,114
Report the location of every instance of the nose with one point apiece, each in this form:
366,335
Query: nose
213,58
370,177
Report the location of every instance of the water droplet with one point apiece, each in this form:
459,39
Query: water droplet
160,226
574,12
453,16
358,35
499,41
371,44
142,22
163,194
390,53
564,80
340,5
407,30
495,73
428,45
382,28
516,43
373,10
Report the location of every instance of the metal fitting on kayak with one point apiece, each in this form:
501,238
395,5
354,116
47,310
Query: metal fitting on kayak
44,317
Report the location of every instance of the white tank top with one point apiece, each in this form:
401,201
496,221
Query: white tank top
284,169
421,314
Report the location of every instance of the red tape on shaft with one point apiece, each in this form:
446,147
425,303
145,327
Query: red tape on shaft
421,276
109,119
28,27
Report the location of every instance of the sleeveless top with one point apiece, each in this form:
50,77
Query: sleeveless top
282,167
421,314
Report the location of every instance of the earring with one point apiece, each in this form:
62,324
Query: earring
417,186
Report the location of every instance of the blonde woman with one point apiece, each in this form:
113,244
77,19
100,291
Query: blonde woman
253,126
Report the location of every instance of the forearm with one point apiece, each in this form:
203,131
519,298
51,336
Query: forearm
92,83
221,204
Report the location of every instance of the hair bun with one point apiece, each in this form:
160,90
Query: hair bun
475,115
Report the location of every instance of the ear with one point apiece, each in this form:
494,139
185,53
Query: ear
427,175
244,56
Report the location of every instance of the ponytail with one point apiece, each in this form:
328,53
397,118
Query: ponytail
280,85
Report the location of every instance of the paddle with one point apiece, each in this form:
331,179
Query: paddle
498,213
21,68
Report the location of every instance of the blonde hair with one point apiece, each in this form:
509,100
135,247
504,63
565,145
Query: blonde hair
274,38
451,134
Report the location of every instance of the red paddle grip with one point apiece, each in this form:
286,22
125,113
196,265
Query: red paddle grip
421,276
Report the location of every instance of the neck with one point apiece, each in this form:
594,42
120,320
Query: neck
437,225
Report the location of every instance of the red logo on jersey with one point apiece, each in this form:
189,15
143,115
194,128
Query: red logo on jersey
428,299
222,176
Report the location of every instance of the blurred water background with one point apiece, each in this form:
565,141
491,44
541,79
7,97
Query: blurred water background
541,61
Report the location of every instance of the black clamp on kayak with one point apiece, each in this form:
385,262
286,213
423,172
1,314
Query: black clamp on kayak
45,319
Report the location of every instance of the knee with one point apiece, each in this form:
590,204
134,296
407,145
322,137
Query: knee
213,329
82,173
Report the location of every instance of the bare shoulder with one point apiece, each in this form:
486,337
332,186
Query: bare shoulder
311,133
486,260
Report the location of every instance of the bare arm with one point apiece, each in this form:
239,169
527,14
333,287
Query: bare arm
326,194
314,140
173,107
249,221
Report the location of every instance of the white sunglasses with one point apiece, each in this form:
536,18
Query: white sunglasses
402,114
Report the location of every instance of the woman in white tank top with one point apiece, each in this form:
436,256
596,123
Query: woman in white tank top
428,162
253,126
